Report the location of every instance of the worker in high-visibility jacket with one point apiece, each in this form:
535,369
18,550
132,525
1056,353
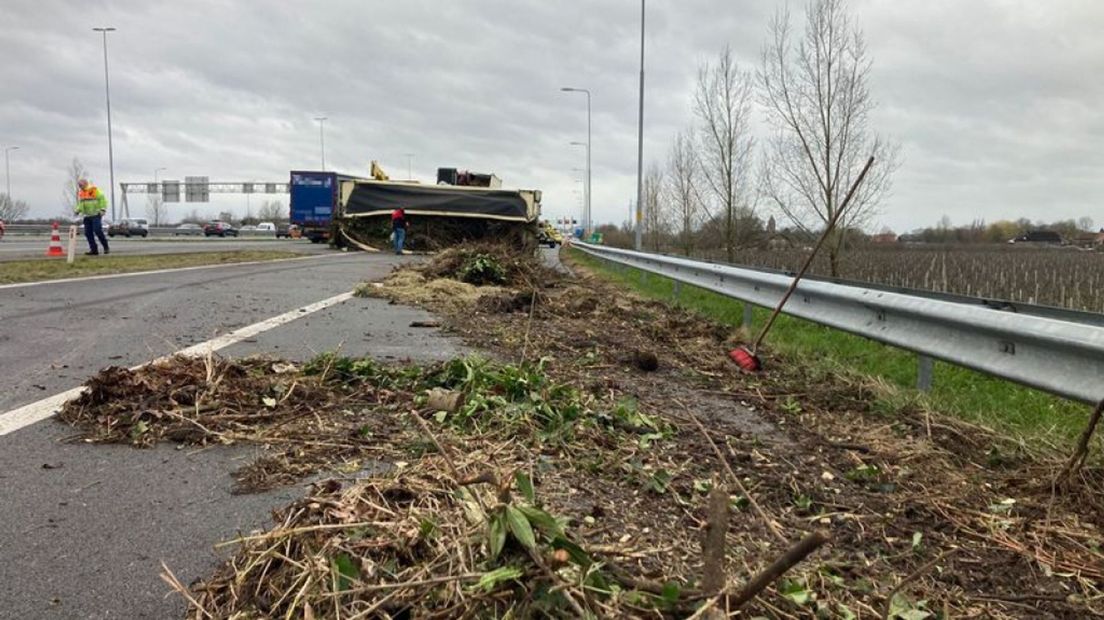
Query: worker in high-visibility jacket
91,204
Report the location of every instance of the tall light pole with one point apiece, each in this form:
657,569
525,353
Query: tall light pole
586,209
586,189
322,138
409,166
7,170
640,141
107,91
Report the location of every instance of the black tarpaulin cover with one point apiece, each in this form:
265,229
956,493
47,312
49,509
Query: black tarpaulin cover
368,198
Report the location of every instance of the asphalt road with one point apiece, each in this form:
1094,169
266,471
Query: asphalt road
21,248
84,528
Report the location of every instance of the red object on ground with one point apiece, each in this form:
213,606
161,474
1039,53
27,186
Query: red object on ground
745,359
55,243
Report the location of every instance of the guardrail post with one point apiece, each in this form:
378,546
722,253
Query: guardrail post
924,367
748,310
678,289
643,277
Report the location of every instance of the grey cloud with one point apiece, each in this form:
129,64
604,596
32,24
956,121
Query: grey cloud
994,102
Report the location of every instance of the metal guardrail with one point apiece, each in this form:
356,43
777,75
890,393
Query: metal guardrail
1063,357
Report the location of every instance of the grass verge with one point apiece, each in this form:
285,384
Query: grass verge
1025,413
40,269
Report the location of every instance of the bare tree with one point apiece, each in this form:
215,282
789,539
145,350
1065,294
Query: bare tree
815,92
655,208
682,191
73,174
11,210
156,210
272,211
722,103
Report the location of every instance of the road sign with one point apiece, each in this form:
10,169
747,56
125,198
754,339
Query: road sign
196,189
170,191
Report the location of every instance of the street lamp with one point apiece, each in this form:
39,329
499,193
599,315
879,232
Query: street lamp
586,189
409,166
640,140
7,170
586,211
322,138
107,91
155,171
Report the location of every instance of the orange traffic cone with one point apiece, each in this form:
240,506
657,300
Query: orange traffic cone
55,243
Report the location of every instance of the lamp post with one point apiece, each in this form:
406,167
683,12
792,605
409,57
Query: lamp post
322,138
409,166
7,170
586,189
107,91
586,209
640,141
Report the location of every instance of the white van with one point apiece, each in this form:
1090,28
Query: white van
266,227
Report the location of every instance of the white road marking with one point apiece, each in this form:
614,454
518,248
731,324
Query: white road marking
157,271
37,411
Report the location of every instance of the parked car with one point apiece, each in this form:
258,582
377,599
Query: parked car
288,231
219,228
247,228
131,227
188,230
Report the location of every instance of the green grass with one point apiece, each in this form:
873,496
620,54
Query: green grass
1009,408
39,269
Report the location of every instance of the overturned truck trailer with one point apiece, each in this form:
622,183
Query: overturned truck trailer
437,215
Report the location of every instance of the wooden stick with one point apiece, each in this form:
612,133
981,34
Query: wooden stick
1077,459
831,224
785,562
713,543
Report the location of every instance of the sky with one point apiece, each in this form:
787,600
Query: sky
995,103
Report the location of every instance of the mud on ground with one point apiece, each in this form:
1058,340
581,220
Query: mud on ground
592,438
951,519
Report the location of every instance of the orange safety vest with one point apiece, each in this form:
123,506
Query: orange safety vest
88,193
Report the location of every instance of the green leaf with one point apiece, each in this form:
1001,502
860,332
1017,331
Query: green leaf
544,521
269,402
426,528
659,481
440,417
670,593
345,569
496,535
139,429
578,556
903,609
917,537
520,528
525,485
795,591
647,439
491,580
845,612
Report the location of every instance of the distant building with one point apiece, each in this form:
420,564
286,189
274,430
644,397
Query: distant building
1090,239
1039,236
883,238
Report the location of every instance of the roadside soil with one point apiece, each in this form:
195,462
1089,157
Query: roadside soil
606,421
